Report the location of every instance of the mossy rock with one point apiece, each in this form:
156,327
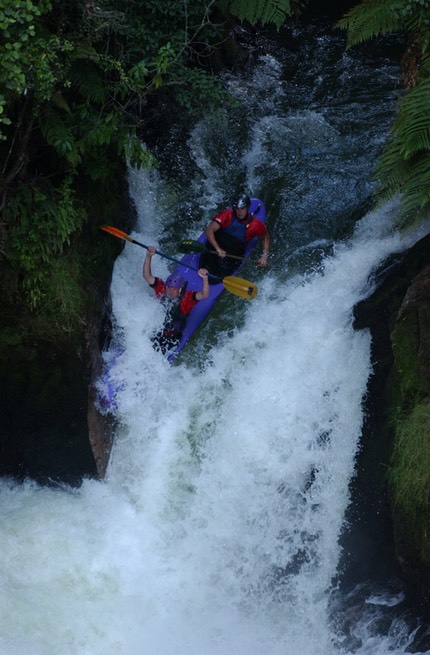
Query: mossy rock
410,485
398,314
409,391
410,340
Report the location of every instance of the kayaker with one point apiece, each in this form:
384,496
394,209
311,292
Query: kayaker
176,298
228,233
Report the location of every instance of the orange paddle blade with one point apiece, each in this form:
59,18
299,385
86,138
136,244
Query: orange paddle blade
116,232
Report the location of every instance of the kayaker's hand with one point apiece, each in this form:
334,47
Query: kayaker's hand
221,253
202,272
151,251
264,260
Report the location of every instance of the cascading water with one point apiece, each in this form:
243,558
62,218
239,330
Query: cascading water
216,530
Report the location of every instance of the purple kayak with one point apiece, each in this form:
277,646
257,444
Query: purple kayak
107,386
201,311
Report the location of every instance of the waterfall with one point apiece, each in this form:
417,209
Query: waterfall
217,528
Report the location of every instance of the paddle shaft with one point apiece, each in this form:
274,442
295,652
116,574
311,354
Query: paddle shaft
172,259
123,235
237,286
198,246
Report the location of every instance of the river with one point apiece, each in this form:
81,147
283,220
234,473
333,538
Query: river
217,527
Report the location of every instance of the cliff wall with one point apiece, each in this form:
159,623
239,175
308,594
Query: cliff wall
396,448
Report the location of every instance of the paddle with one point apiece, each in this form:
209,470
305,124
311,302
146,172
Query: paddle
235,285
188,246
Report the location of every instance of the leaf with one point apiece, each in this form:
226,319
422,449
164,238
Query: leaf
57,133
371,18
60,102
261,11
87,79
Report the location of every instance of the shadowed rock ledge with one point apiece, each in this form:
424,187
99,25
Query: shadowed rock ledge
395,455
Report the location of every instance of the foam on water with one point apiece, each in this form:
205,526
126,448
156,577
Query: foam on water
216,529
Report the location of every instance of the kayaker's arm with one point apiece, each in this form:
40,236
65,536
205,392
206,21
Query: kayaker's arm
147,274
204,293
263,261
210,234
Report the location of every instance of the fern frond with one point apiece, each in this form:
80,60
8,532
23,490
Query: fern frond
59,100
409,177
86,78
261,11
416,18
57,133
425,66
417,184
413,120
391,170
371,18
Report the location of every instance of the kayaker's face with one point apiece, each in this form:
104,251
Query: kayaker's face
241,212
172,292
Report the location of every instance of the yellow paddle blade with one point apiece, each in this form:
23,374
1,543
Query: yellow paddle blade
116,232
240,287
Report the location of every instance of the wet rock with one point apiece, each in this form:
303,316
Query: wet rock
398,403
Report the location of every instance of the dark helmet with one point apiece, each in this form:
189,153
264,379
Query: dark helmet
175,280
242,201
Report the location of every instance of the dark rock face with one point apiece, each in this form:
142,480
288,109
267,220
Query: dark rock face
398,405
410,402
101,427
50,428
43,431
413,324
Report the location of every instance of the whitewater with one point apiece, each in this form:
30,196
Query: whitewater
217,527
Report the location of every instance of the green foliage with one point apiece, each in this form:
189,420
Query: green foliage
137,154
80,83
86,79
416,132
372,18
3,119
165,55
62,309
30,56
43,220
195,90
58,134
259,11
410,473
404,165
